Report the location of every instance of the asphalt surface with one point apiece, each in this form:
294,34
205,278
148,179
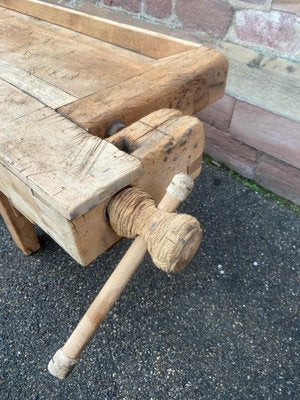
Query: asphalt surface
225,328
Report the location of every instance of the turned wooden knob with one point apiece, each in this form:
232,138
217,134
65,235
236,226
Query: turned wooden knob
172,239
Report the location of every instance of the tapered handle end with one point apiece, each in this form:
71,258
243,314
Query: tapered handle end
61,365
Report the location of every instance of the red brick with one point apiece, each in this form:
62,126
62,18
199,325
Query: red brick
211,16
128,5
158,8
272,29
268,132
229,151
279,177
219,114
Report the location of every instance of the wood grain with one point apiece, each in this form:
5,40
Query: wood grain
156,143
66,167
21,230
56,173
39,57
14,104
139,40
167,143
188,82
36,87
164,150
34,209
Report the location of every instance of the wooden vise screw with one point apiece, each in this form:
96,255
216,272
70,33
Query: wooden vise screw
171,239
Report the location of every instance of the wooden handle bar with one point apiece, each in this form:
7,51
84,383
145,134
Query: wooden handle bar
67,357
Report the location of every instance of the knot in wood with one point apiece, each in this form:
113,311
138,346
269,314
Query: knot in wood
172,239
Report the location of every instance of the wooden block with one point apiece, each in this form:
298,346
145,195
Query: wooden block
50,220
167,143
21,230
65,166
187,82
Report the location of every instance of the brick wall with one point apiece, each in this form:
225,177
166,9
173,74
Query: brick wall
255,128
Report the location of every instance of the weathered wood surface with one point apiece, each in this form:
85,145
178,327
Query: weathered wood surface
57,65
65,166
187,82
139,40
21,230
167,143
94,83
163,151
15,104
35,209
41,90
55,172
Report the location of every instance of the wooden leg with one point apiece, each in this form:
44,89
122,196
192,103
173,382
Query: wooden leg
20,228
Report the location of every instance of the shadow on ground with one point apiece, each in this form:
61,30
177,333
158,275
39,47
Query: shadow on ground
225,328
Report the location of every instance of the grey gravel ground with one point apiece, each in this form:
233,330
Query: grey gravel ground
226,328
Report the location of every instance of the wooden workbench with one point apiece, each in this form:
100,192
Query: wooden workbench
66,79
